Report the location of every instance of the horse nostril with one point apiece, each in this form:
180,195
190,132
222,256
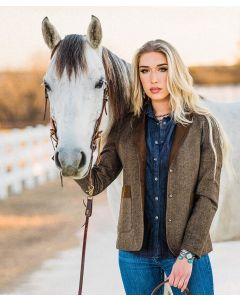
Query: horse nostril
57,162
82,160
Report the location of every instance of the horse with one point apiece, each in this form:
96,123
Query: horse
79,70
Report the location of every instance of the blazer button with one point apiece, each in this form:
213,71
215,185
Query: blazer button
170,220
171,170
170,195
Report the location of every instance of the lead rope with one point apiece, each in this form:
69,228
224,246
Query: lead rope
97,135
90,191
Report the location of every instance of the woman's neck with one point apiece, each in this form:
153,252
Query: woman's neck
161,107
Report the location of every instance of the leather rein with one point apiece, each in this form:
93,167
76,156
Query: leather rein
96,136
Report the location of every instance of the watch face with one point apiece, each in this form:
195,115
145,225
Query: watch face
189,255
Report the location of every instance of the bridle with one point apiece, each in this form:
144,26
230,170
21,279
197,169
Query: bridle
97,135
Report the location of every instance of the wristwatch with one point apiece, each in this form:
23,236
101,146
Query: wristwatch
187,254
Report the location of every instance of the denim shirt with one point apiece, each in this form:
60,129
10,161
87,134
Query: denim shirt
159,138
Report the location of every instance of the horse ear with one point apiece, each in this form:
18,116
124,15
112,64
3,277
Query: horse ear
94,32
50,34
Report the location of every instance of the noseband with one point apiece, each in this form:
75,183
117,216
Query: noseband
96,136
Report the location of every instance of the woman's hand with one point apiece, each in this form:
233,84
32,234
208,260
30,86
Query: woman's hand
180,274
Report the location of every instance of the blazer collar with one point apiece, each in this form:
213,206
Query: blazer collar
180,134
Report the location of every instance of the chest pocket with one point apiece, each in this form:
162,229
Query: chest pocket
125,213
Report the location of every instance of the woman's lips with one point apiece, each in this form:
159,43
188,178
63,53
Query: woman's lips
155,90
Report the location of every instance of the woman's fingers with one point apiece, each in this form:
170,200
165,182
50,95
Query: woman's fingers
185,284
181,283
176,281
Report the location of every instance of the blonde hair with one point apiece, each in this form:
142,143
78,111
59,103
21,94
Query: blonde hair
183,97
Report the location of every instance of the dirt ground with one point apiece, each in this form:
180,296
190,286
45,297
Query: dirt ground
37,224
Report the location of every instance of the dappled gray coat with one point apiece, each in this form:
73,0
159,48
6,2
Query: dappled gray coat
192,194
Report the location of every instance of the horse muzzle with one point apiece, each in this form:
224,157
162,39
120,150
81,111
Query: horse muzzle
69,161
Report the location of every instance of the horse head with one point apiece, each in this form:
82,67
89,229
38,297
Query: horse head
79,72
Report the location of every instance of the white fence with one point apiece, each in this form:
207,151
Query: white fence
25,159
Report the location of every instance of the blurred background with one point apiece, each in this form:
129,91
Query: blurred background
37,217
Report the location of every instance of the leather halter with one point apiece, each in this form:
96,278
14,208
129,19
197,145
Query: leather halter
96,136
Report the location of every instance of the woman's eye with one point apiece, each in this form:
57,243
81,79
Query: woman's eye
99,84
143,71
163,69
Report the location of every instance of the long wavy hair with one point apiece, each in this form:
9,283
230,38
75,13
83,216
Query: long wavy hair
183,97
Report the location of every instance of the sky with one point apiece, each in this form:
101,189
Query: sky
202,35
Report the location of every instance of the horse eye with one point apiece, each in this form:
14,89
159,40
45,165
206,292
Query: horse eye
47,86
99,84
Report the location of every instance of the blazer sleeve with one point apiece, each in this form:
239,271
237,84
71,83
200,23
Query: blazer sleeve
206,193
108,168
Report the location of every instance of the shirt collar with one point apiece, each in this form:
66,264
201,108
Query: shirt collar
148,109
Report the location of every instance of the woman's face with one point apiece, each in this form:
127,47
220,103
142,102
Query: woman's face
153,70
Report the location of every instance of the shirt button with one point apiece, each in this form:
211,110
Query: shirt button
164,122
170,170
156,198
156,178
156,142
156,217
170,195
155,158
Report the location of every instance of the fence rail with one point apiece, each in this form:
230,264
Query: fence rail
25,159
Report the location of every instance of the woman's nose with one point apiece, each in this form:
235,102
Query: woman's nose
154,78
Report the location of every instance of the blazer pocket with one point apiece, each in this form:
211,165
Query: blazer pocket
125,212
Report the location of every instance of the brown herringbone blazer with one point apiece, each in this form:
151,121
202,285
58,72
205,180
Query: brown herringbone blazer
192,194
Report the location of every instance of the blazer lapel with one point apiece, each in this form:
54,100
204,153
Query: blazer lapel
180,134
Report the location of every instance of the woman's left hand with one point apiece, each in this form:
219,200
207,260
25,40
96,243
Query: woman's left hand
180,274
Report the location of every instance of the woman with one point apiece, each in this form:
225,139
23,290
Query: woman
171,151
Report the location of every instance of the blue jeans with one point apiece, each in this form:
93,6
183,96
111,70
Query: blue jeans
140,275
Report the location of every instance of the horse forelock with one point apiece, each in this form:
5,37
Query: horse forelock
70,54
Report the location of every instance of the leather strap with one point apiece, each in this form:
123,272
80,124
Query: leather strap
90,190
88,214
